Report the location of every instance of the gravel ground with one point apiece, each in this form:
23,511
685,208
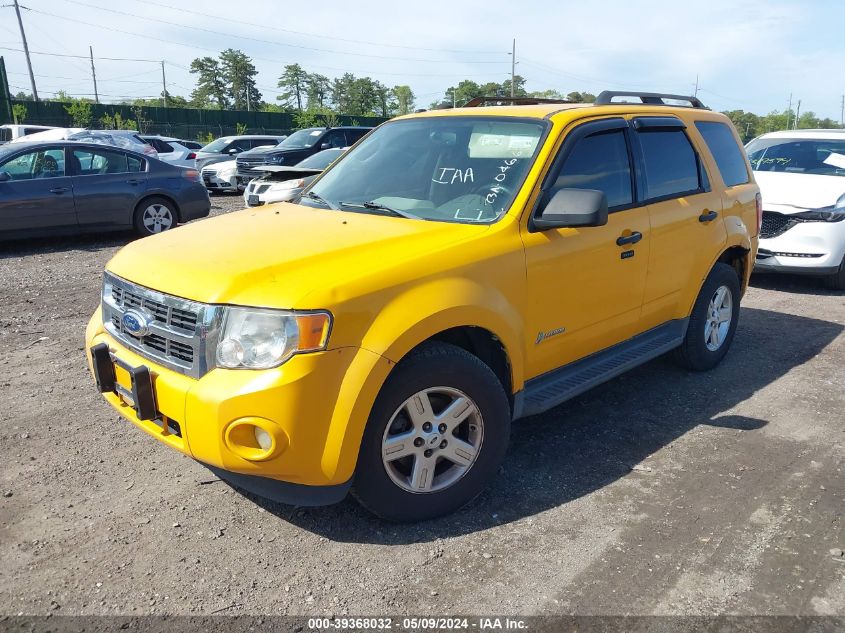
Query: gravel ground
661,492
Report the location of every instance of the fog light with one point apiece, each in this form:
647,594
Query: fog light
263,438
255,439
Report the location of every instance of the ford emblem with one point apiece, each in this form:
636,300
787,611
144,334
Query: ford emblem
136,323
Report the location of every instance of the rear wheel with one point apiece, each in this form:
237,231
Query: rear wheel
436,436
836,281
155,215
713,321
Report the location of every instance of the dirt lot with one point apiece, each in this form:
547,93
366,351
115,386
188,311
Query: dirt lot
660,492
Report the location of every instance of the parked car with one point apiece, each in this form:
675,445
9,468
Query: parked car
125,139
72,187
49,134
171,150
10,131
296,147
801,174
226,147
452,272
192,145
220,177
280,184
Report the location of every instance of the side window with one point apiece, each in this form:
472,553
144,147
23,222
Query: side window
242,145
671,165
600,161
262,142
98,162
135,164
353,136
45,163
722,144
162,147
335,138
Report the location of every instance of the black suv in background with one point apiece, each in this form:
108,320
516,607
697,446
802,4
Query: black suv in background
296,147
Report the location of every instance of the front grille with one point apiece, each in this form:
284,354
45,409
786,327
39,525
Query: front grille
208,172
262,188
247,164
178,330
775,224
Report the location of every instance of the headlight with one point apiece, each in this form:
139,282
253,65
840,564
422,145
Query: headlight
287,184
826,214
276,159
254,338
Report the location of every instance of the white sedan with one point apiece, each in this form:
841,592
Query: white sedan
221,177
801,174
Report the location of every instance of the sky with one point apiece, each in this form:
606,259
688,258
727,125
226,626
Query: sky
747,54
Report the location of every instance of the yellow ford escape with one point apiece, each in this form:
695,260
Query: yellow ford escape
454,271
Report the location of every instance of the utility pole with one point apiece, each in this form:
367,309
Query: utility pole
797,115
789,112
94,75
163,85
842,113
513,68
695,94
454,98
248,98
26,50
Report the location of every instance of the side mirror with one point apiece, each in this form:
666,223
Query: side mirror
234,150
325,145
564,208
4,176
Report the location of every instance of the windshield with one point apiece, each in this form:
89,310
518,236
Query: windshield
302,138
321,160
798,155
216,146
451,168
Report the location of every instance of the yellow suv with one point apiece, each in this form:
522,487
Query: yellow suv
454,271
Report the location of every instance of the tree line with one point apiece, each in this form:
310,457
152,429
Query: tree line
229,81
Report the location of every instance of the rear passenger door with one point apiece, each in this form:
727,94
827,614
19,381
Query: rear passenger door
586,284
687,229
107,184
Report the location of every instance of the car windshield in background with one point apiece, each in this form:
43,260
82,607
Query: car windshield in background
453,169
321,160
302,139
798,155
216,146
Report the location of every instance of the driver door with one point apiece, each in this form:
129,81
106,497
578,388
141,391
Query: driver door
38,194
585,290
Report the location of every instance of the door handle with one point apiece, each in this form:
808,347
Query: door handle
708,216
133,181
59,189
633,238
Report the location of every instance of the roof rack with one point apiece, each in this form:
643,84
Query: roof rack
480,101
648,98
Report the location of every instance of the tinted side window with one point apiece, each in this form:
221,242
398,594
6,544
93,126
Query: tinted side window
135,164
335,138
94,163
242,144
353,135
600,162
162,147
671,166
722,144
262,142
45,163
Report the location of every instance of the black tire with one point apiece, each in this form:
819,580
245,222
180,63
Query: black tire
694,352
432,365
143,228
836,281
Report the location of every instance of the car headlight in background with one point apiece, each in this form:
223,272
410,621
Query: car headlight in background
255,338
825,214
276,159
296,183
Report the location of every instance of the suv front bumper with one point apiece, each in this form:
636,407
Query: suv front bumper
301,404
810,248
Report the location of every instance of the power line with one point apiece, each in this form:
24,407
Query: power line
263,41
109,59
320,35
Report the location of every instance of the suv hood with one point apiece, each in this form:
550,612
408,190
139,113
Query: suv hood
260,151
275,256
798,192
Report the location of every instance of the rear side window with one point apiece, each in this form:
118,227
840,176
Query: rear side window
600,162
722,144
100,162
671,166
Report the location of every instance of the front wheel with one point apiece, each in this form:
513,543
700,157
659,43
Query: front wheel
836,281
713,321
154,215
436,436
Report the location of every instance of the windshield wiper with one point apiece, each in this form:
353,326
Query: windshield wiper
376,206
322,200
